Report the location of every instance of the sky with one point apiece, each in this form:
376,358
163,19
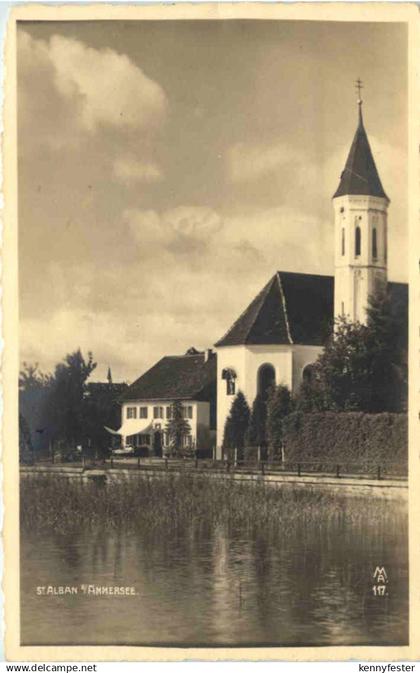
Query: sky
167,169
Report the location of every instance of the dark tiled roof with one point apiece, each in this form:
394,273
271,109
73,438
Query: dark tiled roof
185,377
291,308
360,175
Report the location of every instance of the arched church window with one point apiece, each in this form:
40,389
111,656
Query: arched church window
229,375
343,241
358,242
308,373
374,244
266,379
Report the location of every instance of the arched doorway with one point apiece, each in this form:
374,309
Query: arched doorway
266,379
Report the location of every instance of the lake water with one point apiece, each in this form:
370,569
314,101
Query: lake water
213,586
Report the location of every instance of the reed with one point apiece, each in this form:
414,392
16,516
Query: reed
177,501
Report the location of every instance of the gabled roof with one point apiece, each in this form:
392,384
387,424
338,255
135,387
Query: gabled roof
175,377
293,308
360,175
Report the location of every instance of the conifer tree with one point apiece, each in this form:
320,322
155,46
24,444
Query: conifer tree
256,432
236,424
177,427
279,405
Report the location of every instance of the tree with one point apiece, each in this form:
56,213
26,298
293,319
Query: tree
279,405
256,431
236,424
177,427
361,367
68,407
25,442
34,401
100,409
390,344
31,378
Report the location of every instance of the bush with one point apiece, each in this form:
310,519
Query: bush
346,437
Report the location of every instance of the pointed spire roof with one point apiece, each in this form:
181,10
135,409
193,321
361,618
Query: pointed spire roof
360,175
293,308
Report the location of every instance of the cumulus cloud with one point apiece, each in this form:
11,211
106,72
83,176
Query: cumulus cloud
129,170
105,88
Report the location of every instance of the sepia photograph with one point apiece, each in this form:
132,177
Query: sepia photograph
213,299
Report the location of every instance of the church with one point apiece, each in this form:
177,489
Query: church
283,329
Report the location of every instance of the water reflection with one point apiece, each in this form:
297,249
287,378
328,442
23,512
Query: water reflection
309,584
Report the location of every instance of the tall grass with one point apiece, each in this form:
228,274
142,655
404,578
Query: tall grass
177,501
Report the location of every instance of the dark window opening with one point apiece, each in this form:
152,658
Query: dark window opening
358,242
374,244
343,242
266,380
229,375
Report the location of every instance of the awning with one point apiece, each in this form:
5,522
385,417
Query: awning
132,427
113,432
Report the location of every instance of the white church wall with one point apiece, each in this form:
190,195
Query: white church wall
228,357
288,362
303,356
246,361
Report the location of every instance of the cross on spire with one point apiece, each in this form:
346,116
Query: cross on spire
359,87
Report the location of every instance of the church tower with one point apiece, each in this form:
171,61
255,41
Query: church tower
360,209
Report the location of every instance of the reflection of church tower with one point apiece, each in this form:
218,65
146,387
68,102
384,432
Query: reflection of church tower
360,206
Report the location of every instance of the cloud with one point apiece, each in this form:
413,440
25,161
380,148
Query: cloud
130,171
181,231
103,87
247,162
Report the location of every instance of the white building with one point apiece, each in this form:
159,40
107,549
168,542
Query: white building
147,403
285,327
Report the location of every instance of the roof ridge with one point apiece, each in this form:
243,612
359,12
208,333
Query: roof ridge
283,299
186,355
302,273
262,293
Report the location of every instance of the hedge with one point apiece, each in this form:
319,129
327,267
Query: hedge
346,436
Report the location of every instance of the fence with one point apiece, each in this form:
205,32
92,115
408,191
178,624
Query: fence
351,469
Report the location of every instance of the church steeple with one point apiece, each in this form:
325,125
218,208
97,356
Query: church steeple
360,175
360,206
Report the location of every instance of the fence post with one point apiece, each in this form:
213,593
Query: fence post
259,455
262,467
379,472
112,461
166,463
299,469
235,457
337,471
83,461
138,462
196,459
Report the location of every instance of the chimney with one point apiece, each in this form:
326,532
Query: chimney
207,354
